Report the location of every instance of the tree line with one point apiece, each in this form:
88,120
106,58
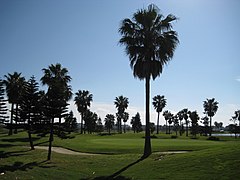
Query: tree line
43,112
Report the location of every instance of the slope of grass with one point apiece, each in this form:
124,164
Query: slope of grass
207,159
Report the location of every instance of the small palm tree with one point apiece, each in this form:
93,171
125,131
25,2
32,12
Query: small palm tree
14,87
159,102
83,100
210,108
121,104
109,122
150,43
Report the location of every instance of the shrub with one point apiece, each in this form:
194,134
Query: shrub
213,138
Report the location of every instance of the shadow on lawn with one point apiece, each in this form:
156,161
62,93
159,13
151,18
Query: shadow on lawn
23,167
6,145
4,154
20,139
115,175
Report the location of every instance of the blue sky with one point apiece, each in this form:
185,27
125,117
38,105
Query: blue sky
83,36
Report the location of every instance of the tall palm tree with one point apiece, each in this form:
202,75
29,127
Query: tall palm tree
121,104
210,108
159,102
59,92
14,87
150,43
83,100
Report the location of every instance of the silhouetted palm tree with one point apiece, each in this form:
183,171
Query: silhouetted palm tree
59,92
159,102
150,43
14,86
210,108
57,79
109,122
83,100
121,104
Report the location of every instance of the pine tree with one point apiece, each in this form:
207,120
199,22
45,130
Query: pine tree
3,106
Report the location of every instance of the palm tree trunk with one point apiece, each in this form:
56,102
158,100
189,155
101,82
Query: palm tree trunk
30,135
59,125
147,146
158,123
50,140
11,121
181,129
169,128
120,126
124,127
16,119
81,123
166,126
210,133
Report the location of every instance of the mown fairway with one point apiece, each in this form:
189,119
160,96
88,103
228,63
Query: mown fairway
120,155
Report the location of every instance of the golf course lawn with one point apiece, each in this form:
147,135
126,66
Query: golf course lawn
118,156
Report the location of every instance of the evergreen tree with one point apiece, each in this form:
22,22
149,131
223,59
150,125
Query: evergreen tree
70,124
136,123
194,120
3,106
109,122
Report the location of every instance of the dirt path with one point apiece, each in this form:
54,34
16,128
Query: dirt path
65,151
70,152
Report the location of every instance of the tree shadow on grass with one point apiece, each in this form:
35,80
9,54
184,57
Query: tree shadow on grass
115,175
20,139
40,143
6,145
108,178
23,167
4,154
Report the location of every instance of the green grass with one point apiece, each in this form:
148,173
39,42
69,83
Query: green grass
207,159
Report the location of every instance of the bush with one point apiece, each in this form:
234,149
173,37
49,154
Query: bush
174,137
213,138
